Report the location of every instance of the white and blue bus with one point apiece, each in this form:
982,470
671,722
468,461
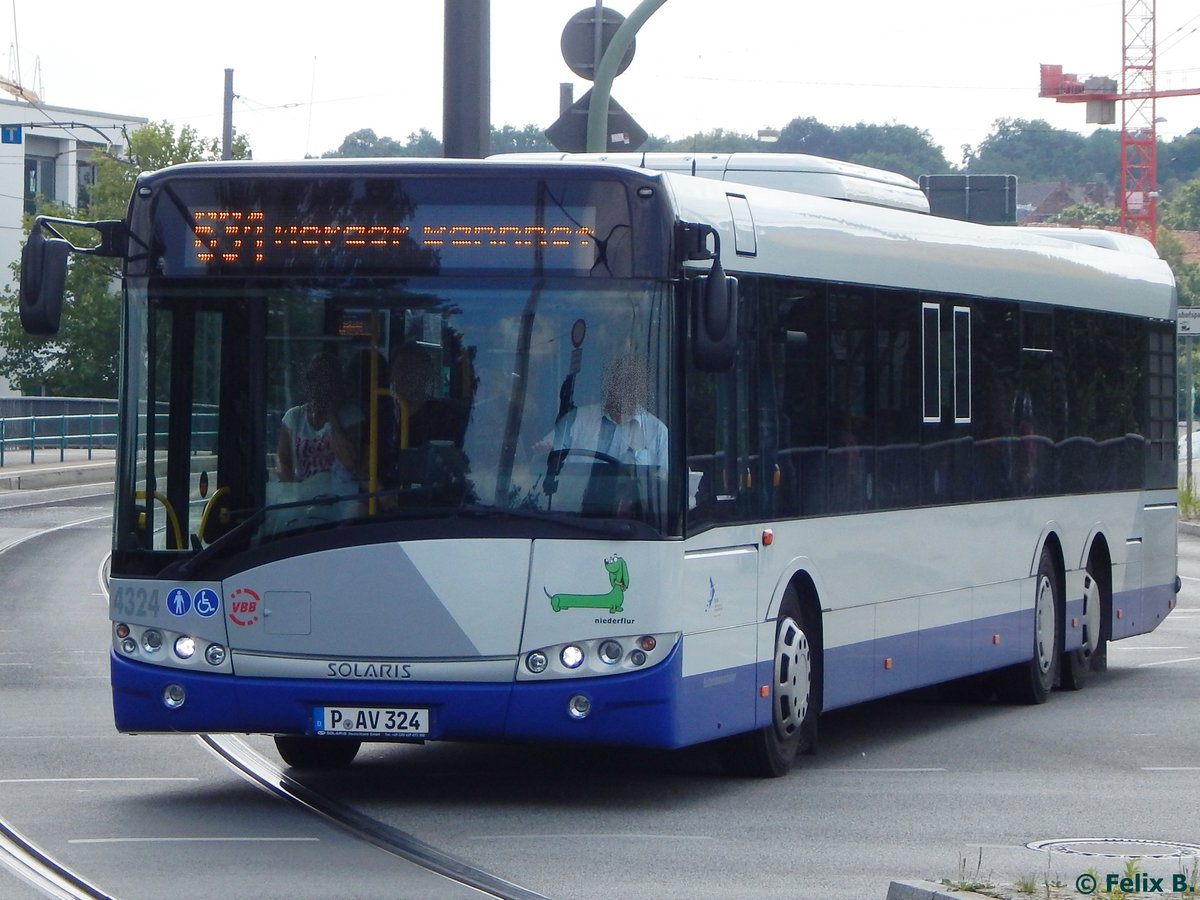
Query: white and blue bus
361,495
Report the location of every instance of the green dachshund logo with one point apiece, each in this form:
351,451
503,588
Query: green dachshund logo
618,579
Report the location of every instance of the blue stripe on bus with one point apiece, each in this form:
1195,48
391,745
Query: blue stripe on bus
654,708
888,665
856,672
640,709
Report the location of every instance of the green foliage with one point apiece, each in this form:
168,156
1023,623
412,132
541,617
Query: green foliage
82,359
1187,275
716,141
968,880
364,143
1081,214
1181,210
897,148
1178,161
530,139
1032,150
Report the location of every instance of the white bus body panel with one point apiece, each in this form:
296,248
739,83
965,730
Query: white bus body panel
796,173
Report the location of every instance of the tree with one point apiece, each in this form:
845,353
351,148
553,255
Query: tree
1187,275
365,143
1182,210
82,359
530,139
716,141
1179,161
896,148
1087,214
1031,150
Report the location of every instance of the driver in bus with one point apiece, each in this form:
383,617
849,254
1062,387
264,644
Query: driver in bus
618,429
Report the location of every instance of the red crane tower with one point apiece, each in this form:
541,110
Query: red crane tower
1139,142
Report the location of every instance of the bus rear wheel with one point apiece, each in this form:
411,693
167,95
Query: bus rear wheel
1078,663
302,752
768,752
1031,682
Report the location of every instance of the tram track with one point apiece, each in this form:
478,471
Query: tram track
255,768
19,854
41,870
261,772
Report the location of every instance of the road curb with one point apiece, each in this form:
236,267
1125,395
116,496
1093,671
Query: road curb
928,890
88,473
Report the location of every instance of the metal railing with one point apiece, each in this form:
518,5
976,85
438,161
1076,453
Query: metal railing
29,434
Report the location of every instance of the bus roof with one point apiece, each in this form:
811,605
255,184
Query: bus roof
794,172
805,236
814,237
1096,237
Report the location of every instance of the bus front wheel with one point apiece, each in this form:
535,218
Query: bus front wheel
302,752
768,752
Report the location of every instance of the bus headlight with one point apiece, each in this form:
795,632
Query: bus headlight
129,646
185,646
572,656
214,654
611,652
536,662
152,640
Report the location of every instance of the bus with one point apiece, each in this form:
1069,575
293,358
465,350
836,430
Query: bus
366,490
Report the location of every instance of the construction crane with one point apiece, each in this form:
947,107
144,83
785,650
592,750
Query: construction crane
1138,93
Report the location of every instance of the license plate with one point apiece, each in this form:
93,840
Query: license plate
366,721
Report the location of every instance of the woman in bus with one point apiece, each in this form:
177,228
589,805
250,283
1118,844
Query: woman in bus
321,435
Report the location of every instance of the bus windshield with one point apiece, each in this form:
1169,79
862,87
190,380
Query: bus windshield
276,408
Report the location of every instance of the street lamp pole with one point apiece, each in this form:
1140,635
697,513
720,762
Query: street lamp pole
597,139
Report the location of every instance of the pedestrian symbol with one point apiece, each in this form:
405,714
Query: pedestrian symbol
207,602
179,602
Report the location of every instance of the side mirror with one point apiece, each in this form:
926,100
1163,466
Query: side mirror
714,320
43,282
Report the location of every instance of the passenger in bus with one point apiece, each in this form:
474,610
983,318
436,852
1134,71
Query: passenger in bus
425,446
423,415
619,428
320,436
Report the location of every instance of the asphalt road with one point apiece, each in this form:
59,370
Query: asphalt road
921,786
137,817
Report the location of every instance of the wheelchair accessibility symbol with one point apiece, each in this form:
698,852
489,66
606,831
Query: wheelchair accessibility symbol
206,602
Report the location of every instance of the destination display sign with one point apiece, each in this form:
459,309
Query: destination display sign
486,236
351,226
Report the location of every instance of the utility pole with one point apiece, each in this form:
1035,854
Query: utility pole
466,80
227,126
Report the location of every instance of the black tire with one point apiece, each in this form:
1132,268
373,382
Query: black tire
301,752
1031,682
1103,576
1077,664
795,702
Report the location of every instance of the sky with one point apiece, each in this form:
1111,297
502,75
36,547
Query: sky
306,73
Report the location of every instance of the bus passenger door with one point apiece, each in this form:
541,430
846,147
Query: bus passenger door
726,501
